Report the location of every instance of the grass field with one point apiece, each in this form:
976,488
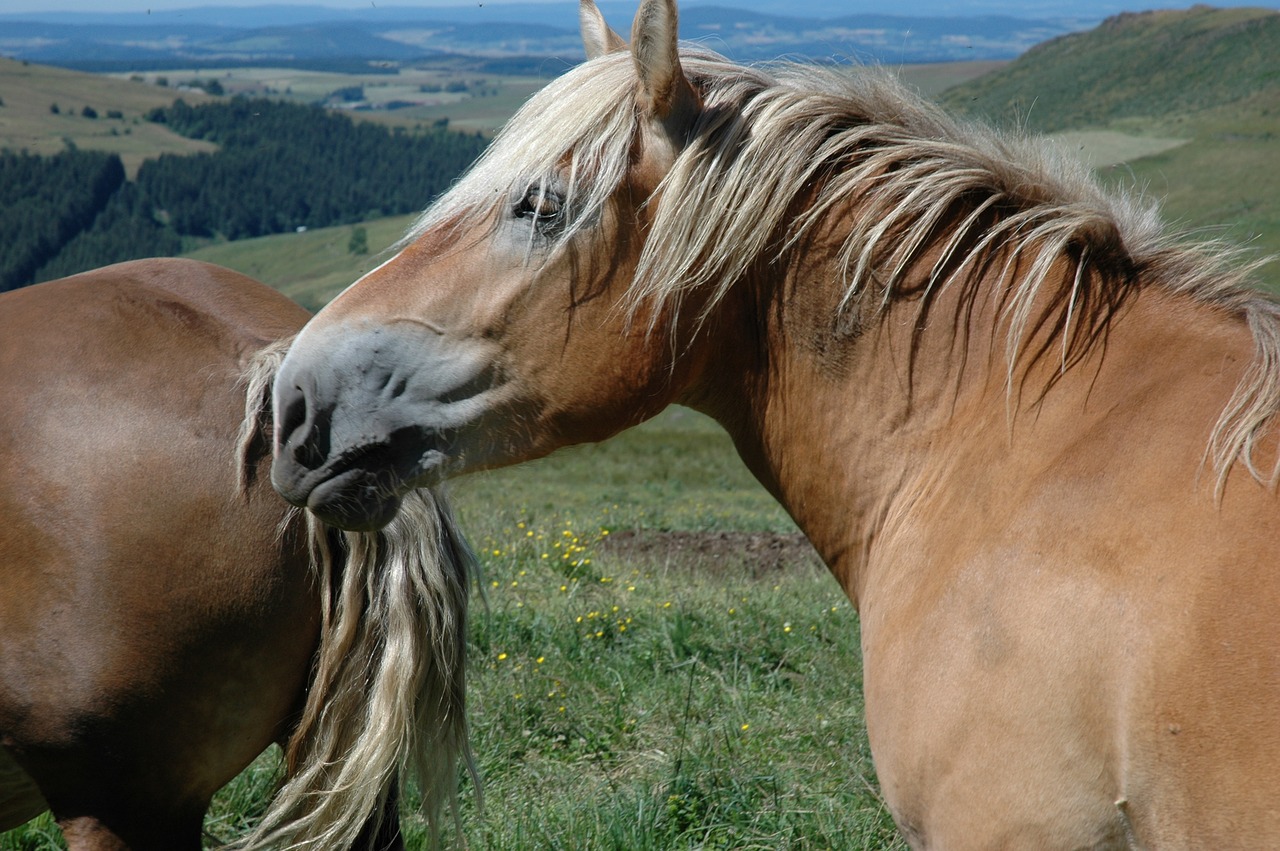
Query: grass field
663,663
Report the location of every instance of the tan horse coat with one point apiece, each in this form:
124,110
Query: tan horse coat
1029,433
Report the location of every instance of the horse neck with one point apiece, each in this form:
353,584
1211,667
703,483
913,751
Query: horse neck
849,423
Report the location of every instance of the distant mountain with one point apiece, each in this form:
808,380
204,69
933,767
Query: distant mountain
746,35
318,35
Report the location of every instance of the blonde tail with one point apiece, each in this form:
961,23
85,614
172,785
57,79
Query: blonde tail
388,695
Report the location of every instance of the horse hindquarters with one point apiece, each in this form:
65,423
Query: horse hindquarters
156,628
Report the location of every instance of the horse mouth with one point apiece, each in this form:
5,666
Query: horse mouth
361,489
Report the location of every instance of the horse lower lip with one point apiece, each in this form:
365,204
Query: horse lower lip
353,501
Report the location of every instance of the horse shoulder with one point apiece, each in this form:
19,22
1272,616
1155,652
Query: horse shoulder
1069,616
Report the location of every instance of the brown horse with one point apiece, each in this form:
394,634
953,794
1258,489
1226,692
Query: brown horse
164,615
1031,434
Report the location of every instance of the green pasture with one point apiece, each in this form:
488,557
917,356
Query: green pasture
657,662
660,662
310,267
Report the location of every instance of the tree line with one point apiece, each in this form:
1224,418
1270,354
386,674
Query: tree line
278,167
45,202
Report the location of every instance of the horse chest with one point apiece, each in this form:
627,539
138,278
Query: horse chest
967,761
990,711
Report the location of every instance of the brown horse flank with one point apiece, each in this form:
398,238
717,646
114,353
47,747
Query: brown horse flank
165,616
1031,434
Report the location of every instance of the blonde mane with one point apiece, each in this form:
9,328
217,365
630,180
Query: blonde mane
387,696
777,151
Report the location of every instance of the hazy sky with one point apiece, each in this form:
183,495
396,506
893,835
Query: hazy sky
158,5
146,5
1022,8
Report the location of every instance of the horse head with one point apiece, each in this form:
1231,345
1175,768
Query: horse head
506,326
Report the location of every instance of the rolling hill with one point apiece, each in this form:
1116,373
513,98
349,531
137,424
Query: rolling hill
28,93
1151,66
1208,77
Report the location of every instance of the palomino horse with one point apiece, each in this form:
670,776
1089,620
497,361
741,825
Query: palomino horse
164,616
1031,435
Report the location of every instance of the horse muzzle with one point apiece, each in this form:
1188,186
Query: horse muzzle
363,416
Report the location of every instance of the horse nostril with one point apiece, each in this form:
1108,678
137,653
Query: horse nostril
292,417
304,432
308,454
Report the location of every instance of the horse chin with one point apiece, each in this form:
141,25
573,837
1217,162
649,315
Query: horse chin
353,501
363,490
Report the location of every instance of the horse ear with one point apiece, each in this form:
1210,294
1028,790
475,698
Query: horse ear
665,92
597,37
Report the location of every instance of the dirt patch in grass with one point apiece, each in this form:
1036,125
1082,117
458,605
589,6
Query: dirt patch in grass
758,553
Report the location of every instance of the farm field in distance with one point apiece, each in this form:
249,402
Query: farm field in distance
27,120
470,100
404,97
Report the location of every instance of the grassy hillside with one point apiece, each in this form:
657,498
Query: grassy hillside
1207,77
27,121
1154,65
310,267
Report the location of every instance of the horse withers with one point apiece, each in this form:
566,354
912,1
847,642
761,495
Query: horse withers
164,615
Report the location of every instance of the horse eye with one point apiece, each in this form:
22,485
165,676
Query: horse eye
540,204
